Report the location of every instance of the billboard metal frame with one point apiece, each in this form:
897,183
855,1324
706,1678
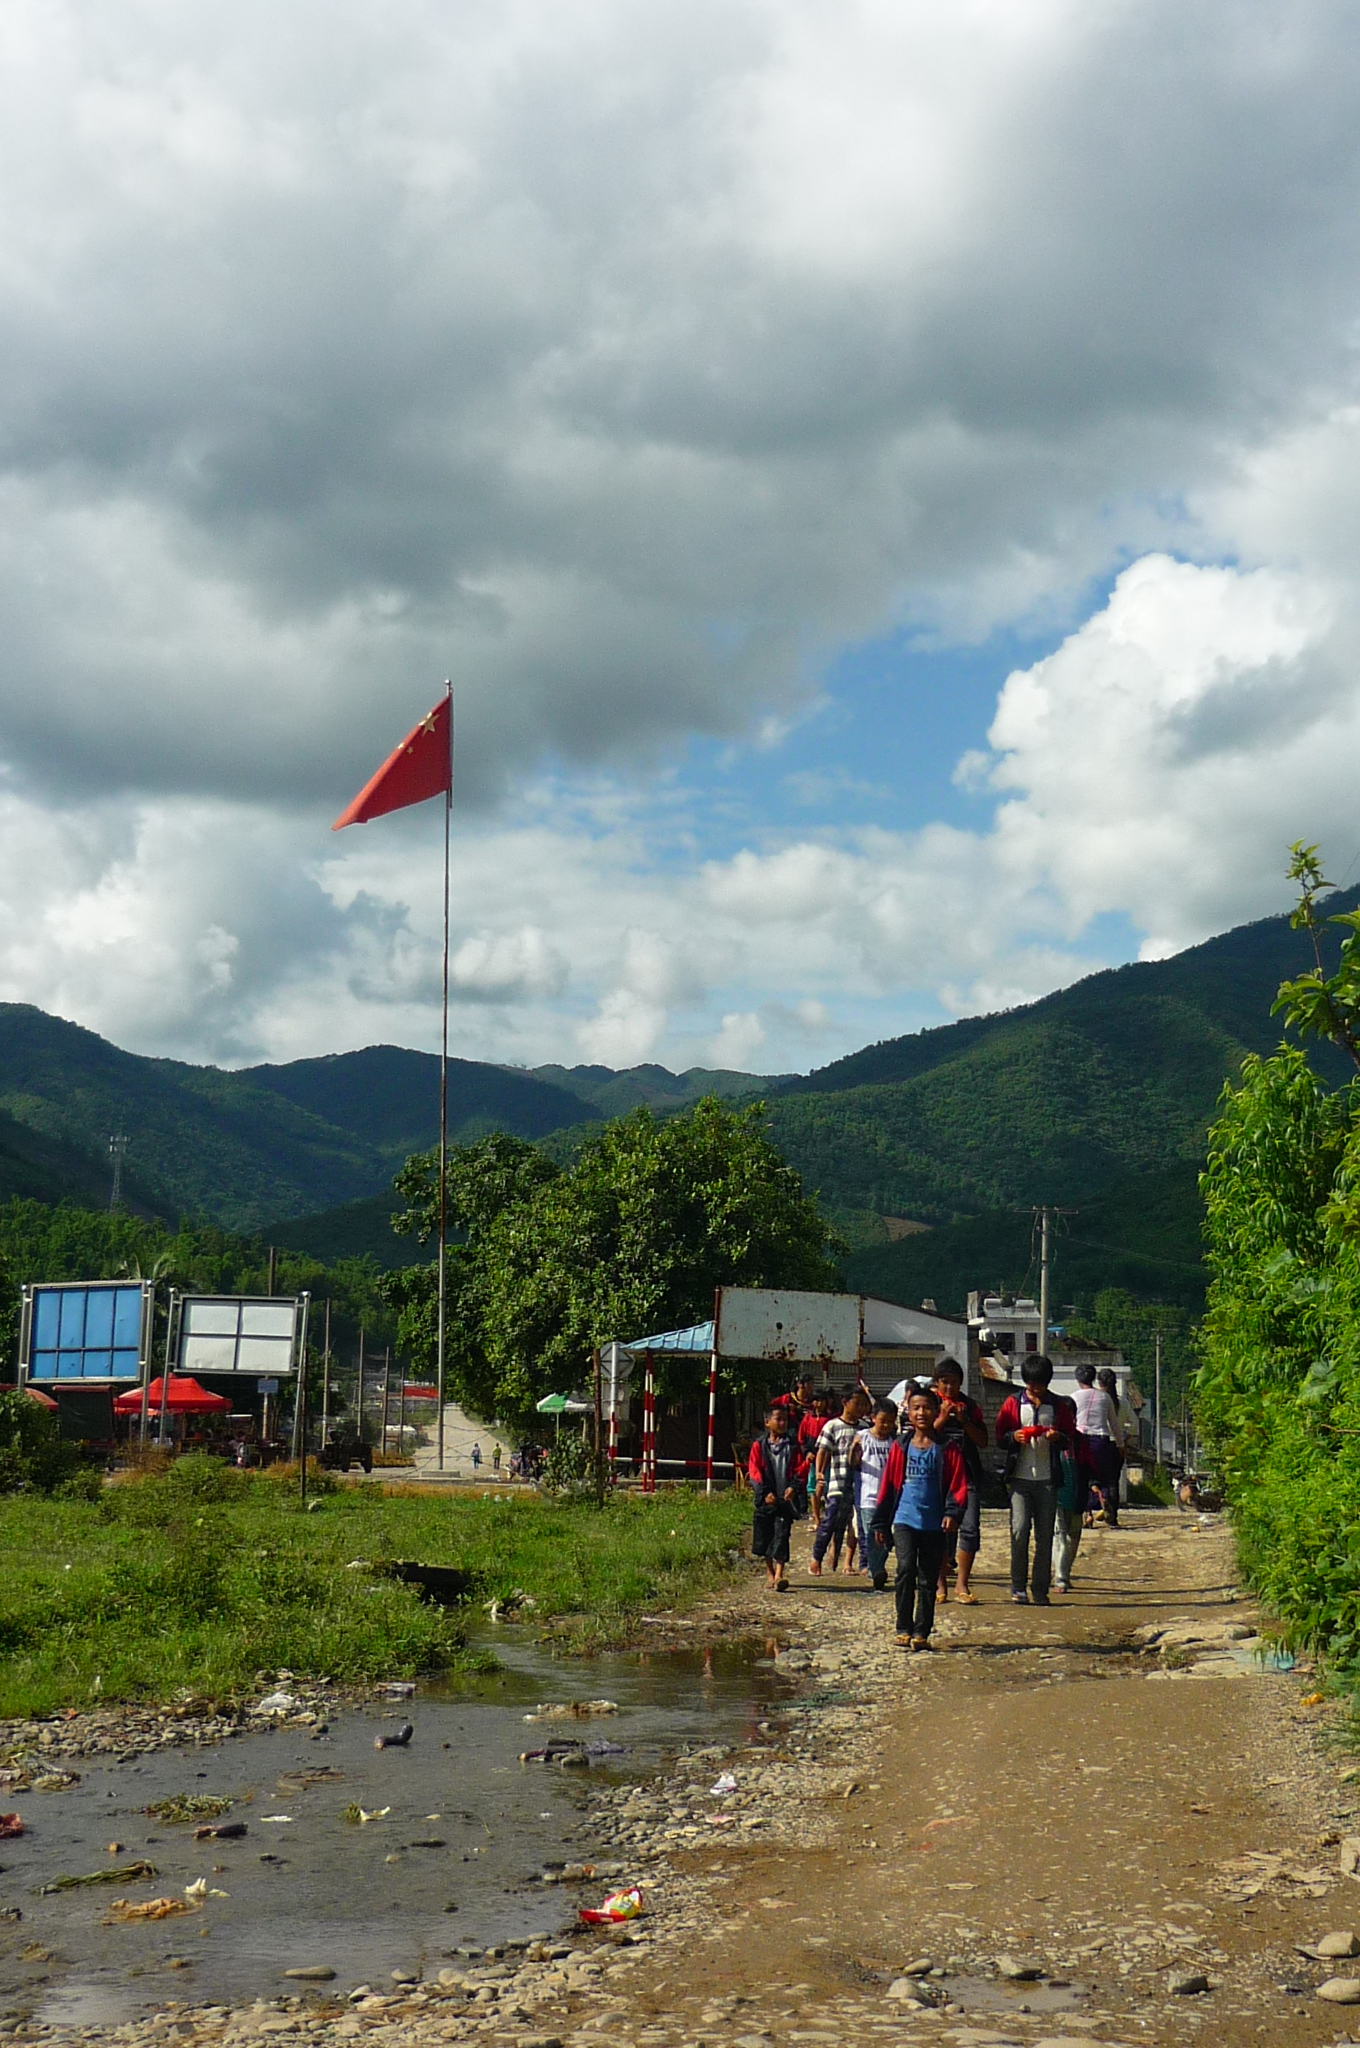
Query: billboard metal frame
789,1326
27,1316
242,1304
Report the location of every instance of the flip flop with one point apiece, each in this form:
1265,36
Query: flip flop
966,1599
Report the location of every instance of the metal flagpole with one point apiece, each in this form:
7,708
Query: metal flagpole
444,1097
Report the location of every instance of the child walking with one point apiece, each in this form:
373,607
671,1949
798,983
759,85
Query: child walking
774,1471
923,1494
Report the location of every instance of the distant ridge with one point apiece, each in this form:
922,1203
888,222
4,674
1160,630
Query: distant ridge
1074,1097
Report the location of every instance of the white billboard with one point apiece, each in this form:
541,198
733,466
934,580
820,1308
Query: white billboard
788,1327
238,1334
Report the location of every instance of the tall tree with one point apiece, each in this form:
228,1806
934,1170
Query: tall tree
1278,1392
633,1238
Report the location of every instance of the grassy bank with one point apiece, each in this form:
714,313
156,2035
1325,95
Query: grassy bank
195,1581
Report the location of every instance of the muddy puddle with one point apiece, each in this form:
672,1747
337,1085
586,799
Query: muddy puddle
453,1863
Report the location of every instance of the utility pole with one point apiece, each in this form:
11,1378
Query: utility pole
1043,1278
117,1147
360,1402
387,1385
1157,1405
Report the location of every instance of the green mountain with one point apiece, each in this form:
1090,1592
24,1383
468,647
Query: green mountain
243,1149
614,1094
1096,1097
1142,1236
1061,1101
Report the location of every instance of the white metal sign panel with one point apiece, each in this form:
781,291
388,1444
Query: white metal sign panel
789,1327
238,1334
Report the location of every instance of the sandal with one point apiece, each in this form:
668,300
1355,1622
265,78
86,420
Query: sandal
966,1599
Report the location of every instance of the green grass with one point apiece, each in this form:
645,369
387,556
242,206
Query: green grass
190,1584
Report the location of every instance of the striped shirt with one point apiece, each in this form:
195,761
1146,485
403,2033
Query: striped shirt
838,1439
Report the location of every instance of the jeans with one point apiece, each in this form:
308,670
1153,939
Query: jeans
968,1536
1066,1542
875,1551
837,1516
1034,1505
920,1553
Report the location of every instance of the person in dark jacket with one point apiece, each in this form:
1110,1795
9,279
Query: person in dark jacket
921,1496
1032,1429
775,1470
961,1421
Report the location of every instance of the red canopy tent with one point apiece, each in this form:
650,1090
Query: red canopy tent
185,1397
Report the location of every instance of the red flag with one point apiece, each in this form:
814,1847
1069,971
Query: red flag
421,767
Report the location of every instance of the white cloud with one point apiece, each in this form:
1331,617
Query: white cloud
629,365
1155,766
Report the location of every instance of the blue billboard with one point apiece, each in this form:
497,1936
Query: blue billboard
85,1330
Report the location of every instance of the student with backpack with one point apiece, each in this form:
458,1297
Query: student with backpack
775,1469
961,1422
1031,1429
922,1496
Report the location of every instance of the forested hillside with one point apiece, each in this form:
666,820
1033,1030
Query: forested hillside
1067,1100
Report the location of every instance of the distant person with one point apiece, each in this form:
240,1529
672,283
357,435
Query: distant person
809,1431
1031,1429
875,1442
922,1495
773,1471
798,1402
960,1421
496,1459
476,1458
1123,1421
1097,1427
834,1494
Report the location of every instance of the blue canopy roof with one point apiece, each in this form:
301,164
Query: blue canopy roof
699,1337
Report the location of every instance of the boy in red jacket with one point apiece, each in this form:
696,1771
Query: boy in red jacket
1034,1428
921,1497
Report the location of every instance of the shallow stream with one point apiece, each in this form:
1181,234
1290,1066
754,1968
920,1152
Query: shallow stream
455,1864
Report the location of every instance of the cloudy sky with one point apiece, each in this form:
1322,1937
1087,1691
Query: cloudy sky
883,479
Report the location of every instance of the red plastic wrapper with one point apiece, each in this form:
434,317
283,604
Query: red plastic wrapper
618,1906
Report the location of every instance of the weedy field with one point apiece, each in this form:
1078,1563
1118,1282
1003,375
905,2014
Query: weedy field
195,1580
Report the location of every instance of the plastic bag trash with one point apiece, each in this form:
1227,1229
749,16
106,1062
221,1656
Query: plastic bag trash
150,1909
266,1818
224,1831
398,1689
10,1825
399,1738
726,1783
625,1905
275,1703
603,1748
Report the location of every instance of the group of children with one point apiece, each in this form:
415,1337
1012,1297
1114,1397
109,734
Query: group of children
877,1481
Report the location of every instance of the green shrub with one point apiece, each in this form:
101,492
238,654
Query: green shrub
33,1457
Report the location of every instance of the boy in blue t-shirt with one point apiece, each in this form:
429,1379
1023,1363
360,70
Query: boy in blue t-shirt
922,1496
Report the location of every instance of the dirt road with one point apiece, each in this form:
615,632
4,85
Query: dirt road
1045,1794
1041,1794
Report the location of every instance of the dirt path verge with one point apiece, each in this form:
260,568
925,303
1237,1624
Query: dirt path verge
1111,1794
